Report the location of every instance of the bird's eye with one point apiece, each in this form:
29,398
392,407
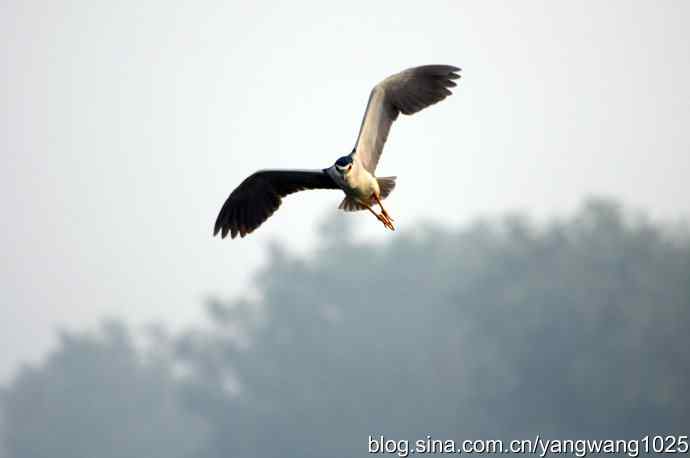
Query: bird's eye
349,167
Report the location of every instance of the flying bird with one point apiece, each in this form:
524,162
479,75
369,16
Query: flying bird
260,194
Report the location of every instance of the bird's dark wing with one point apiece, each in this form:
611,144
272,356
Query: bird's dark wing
408,92
260,194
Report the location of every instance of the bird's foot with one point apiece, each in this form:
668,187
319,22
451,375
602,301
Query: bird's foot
385,214
386,221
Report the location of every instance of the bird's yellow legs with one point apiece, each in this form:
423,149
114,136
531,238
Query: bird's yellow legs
384,212
384,217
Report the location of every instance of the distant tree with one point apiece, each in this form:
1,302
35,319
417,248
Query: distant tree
95,397
501,329
577,329
3,450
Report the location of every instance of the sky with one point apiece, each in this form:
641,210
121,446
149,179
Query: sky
125,125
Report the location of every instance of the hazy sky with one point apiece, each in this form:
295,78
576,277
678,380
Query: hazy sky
125,125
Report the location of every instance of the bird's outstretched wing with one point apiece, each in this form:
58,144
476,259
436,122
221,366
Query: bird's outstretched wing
408,92
260,194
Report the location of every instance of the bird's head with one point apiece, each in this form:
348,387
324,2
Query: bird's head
343,165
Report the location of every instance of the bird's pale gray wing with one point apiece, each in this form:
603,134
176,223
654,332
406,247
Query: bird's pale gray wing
260,194
408,92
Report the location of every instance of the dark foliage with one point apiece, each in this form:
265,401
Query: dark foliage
499,330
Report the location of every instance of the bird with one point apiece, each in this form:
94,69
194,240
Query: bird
250,204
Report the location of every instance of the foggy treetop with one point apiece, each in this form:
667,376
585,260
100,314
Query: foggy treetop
505,329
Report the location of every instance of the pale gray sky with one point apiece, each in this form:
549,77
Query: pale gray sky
126,124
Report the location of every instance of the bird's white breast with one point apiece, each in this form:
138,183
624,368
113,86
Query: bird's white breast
361,183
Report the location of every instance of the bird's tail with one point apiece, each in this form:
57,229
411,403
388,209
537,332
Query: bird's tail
386,185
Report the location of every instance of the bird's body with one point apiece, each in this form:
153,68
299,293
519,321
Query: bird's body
358,183
260,194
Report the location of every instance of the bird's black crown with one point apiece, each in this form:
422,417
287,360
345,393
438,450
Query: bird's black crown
343,161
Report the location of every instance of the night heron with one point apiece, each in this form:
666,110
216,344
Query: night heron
407,92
